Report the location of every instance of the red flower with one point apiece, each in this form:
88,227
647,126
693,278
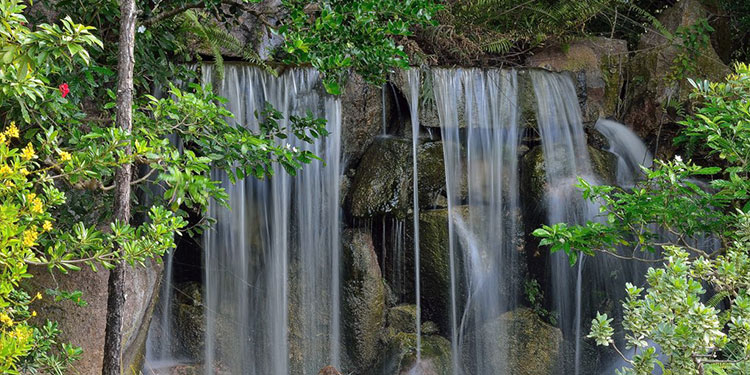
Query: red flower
64,90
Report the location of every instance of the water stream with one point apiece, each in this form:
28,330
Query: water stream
272,263
478,113
276,253
414,85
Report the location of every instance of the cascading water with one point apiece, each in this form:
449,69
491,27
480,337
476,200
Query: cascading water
480,144
160,354
413,78
275,254
566,158
630,150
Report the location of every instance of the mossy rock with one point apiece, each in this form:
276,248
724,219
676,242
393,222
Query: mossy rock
520,343
402,318
401,355
603,164
597,63
189,320
383,185
363,298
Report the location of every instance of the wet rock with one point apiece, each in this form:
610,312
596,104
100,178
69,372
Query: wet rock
189,320
361,117
529,346
428,114
598,63
534,178
435,269
400,356
403,318
382,183
363,298
526,100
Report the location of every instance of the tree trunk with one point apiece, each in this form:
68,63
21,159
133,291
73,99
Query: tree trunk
112,361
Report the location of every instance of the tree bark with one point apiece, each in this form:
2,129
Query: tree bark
112,361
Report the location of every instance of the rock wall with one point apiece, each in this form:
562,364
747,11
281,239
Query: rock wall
84,326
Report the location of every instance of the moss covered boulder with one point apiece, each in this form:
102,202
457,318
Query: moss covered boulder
400,356
382,183
364,296
598,63
656,81
526,346
189,320
534,178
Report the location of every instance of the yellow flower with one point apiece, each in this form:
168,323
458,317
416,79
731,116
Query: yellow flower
6,319
24,171
38,295
5,170
30,197
36,206
3,140
47,226
28,152
64,156
12,131
29,237
33,313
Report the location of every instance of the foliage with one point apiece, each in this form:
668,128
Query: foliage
50,150
507,30
535,298
670,211
693,42
336,35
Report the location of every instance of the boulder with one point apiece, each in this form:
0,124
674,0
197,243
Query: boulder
598,63
534,178
526,345
363,298
382,183
651,88
402,318
85,326
361,117
401,356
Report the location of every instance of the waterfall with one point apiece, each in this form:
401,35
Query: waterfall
630,150
413,78
566,158
160,353
275,253
478,112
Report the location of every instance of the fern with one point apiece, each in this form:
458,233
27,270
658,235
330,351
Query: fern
216,39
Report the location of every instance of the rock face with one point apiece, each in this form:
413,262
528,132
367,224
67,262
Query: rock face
84,326
533,347
401,342
598,64
364,297
400,356
383,180
651,89
189,320
361,117
534,178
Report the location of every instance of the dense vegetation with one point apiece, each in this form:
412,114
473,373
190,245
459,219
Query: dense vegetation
60,149
667,217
